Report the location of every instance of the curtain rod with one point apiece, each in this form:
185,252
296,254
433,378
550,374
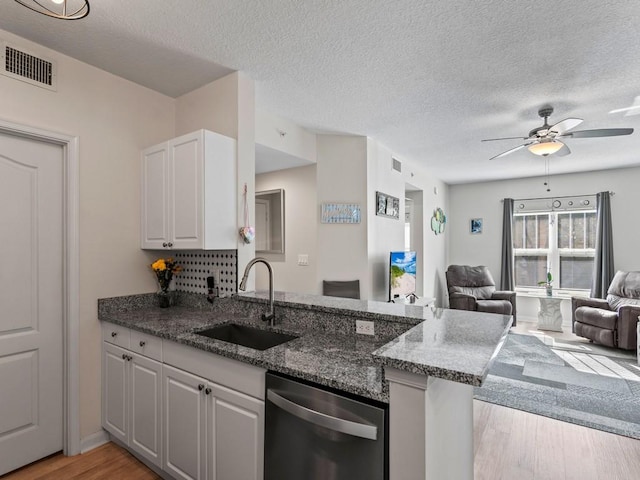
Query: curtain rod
562,196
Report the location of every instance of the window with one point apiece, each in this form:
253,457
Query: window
562,243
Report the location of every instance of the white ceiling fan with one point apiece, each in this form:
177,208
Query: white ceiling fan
545,140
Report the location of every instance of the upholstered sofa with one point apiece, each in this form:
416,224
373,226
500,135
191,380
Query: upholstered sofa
473,288
611,322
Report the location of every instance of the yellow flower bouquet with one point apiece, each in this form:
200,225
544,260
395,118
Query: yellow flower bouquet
165,269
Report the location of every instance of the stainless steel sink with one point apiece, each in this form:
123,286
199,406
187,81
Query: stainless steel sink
246,336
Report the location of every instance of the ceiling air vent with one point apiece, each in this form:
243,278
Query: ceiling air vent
29,68
397,165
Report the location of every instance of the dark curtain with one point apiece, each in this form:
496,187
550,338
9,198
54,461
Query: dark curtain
506,271
603,262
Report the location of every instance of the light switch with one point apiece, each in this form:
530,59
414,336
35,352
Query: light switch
303,260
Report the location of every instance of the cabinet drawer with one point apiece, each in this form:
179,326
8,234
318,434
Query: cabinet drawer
146,345
115,334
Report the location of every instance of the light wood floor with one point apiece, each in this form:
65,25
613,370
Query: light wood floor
107,462
509,445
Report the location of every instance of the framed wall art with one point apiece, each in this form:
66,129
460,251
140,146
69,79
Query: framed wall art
387,205
340,213
475,226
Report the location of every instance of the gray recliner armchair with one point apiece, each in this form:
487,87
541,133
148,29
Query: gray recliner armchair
611,322
473,288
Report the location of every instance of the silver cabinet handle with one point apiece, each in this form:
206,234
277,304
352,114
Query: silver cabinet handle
114,334
370,432
164,244
170,244
142,343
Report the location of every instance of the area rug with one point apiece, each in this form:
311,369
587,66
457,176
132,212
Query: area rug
574,382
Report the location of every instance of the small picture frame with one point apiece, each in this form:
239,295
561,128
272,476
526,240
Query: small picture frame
475,226
340,213
387,205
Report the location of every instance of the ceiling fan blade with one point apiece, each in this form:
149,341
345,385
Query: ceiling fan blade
599,132
565,125
515,149
563,151
505,138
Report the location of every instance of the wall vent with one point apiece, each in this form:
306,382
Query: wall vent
29,68
397,164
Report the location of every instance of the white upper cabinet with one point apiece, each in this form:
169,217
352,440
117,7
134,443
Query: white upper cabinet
189,193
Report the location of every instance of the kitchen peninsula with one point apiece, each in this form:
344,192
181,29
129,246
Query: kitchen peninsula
423,362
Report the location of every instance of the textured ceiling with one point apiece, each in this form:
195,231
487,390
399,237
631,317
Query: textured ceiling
427,79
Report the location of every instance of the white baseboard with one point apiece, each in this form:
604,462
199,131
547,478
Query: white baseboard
93,441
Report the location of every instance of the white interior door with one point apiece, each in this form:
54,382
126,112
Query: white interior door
31,299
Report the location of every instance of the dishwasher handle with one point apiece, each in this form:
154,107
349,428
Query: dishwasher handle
362,430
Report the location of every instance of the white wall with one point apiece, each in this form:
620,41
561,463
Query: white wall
350,170
114,119
227,106
482,200
213,106
301,226
342,178
385,234
296,140
434,194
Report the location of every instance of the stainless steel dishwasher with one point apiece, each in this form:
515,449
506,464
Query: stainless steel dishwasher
315,434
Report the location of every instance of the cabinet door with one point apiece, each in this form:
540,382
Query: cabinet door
114,391
184,424
186,200
155,232
236,435
145,408
220,187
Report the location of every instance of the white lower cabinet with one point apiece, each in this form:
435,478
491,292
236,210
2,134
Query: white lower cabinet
210,431
193,414
131,401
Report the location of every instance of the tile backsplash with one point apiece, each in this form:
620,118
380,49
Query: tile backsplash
199,264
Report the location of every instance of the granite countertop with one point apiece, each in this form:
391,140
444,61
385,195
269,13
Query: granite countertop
343,362
375,310
454,345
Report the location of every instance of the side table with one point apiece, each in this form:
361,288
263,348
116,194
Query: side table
550,315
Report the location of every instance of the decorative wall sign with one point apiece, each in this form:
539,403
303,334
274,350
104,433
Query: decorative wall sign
340,213
438,221
475,226
387,206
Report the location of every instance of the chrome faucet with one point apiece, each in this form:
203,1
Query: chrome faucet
270,315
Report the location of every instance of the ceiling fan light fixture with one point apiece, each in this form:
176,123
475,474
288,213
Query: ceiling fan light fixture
545,148
60,9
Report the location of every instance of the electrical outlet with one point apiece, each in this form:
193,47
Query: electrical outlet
364,327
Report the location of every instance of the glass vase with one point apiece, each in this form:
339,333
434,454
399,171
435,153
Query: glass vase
166,298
